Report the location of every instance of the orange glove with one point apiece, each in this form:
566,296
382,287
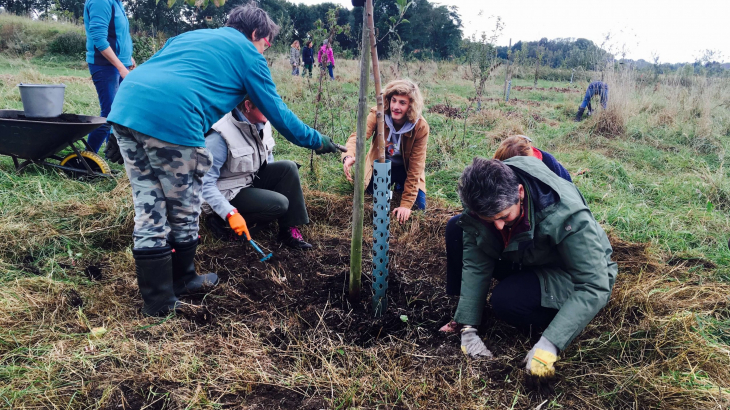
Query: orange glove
238,224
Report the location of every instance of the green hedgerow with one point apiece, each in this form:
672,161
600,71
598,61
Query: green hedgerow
70,43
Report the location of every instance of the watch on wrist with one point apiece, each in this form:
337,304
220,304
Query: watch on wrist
346,157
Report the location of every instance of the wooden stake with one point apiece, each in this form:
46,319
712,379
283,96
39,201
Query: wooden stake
507,69
358,203
380,138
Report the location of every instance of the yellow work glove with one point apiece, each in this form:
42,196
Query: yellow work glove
540,360
238,224
542,363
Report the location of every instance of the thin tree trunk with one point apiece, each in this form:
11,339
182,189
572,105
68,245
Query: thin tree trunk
376,80
358,203
507,70
537,67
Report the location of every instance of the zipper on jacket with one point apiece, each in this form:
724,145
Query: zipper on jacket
258,150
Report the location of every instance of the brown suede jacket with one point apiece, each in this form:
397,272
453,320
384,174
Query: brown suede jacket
413,148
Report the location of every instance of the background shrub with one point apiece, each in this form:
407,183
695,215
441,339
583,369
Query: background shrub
70,44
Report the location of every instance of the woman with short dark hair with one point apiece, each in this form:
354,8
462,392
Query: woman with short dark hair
160,116
108,54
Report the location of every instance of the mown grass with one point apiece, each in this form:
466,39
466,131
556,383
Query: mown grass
662,342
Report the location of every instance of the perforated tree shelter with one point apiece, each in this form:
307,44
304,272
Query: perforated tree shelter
381,233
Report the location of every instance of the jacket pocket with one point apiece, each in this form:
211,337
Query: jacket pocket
242,160
556,286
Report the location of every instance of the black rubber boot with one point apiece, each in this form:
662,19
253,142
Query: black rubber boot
579,114
185,279
154,278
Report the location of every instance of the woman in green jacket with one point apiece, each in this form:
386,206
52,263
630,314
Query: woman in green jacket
533,232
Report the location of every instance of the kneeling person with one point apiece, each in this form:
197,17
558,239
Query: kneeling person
244,181
406,140
532,231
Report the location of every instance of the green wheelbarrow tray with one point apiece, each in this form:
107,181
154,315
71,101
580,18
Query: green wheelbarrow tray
39,140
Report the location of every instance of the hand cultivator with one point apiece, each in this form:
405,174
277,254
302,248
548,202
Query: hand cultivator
40,140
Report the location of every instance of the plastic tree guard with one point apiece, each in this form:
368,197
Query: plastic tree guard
381,232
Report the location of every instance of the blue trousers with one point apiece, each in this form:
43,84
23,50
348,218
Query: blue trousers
330,68
106,80
398,176
590,92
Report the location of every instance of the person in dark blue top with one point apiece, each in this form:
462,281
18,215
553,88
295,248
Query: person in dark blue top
521,145
109,55
516,145
308,58
595,88
160,117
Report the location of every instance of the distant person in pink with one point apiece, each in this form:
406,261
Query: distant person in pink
326,58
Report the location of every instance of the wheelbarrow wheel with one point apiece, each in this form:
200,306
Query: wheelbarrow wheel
96,163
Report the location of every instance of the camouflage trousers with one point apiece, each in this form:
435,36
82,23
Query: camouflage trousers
167,181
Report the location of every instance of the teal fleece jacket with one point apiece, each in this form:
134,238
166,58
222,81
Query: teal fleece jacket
107,26
193,81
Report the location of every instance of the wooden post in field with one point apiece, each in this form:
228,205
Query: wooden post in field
376,80
507,72
358,202
537,64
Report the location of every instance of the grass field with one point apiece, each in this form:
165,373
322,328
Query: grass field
281,335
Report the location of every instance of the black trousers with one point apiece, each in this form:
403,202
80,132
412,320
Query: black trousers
517,297
276,194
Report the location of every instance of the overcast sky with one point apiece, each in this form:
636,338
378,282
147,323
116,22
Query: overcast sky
676,30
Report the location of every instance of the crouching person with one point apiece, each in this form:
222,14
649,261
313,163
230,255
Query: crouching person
513,146
406,140
532,231
160,116
243,180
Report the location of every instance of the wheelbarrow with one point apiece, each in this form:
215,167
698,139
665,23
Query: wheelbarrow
41,140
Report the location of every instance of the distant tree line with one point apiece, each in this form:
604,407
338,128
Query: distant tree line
432,31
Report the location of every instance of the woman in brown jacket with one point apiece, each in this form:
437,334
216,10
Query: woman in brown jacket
406,138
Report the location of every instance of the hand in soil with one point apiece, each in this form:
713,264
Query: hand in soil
472,345
541,358
451,327
402,214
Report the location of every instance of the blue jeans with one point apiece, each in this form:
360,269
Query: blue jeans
398,176
330,67
106,80
590,92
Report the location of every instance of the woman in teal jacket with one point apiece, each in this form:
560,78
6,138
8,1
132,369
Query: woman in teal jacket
109,55
161,114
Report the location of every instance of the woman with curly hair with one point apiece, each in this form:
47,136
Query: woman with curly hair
406,138
294,59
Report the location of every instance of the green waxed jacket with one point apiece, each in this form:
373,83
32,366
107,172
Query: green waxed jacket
565,247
